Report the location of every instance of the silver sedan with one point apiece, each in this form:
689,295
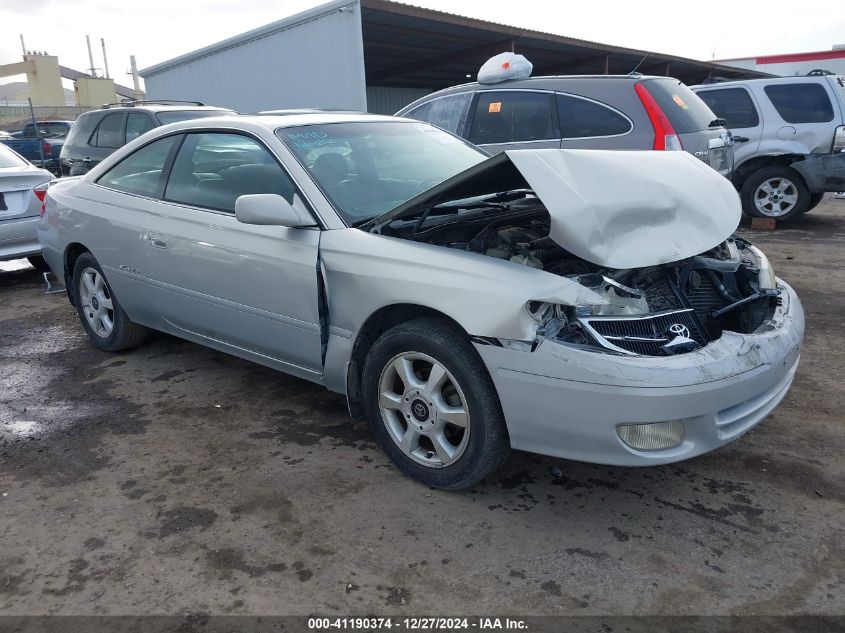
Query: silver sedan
588,305
23,188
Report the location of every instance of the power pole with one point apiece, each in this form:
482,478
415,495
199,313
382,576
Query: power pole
135,81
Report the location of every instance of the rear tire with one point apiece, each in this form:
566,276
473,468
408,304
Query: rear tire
38,263
432,406
775,192
100,312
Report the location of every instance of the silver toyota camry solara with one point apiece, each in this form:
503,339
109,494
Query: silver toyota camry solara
587,305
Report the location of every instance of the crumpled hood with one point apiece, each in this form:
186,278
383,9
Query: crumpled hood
619,209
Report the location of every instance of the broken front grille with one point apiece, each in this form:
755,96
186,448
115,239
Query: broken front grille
645,335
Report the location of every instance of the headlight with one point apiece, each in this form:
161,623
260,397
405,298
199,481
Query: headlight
766,277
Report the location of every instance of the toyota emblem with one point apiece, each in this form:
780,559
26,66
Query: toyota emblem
419,410
679,329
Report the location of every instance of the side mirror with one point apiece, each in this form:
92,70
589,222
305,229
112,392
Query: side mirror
270,209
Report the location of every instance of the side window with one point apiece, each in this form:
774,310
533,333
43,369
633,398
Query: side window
140,172
513,116
801,102
580,118
109,133
734,105
137,124
213,169
447,113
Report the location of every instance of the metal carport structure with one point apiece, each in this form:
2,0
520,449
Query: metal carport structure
380,55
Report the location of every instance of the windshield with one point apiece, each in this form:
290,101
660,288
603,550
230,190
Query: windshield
8,158
175,116
368,168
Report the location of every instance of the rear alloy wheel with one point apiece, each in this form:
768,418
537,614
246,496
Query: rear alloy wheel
775,192
101,315
432,406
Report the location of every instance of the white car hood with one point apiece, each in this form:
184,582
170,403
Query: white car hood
619,209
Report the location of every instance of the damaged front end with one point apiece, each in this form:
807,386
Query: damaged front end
668,309
645,235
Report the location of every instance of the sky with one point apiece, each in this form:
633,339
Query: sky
157,30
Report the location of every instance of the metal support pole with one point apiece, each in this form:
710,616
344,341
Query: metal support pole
90,57
37,131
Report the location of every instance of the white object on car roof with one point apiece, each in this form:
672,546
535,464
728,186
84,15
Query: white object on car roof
504,66
630,209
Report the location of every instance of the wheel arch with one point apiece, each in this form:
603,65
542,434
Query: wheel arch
71,254
373,327
748,167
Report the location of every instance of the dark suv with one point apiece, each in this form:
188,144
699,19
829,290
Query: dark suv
580,112
98,133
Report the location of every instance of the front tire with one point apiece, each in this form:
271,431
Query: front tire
815,200
775,192
432,406
101,314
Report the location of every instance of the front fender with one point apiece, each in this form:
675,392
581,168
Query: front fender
365,272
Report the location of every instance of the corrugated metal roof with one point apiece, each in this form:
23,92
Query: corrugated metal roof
410,46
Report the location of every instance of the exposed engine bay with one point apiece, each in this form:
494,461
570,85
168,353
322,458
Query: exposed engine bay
658,310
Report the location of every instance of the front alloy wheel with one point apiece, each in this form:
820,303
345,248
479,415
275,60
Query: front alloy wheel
432,406
424,409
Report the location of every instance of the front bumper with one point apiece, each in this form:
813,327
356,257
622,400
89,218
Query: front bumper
19,238
566,402
823,172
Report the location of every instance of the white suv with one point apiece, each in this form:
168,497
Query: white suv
789,137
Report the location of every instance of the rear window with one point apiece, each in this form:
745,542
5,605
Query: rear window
175,116
734,105
8,158
801,102
580,118
685,109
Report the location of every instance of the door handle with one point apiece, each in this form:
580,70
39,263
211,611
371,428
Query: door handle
740,139
158,241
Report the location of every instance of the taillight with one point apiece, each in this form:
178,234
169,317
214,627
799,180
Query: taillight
838,140
665,137
46,148
41,193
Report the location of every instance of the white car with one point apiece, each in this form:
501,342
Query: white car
23,187
583,304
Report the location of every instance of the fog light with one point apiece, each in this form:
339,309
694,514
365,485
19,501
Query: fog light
652,437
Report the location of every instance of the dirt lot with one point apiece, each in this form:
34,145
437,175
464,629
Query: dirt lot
176,479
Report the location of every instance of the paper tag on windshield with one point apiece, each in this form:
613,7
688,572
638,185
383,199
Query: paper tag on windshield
496,106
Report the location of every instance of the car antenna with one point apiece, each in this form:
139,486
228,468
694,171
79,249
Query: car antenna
638,65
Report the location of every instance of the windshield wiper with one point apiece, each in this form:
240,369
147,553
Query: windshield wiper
495,199
498,200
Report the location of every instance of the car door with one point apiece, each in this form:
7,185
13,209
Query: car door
806,113
117,205
510,119
249,289
741,113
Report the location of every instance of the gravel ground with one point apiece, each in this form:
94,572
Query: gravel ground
176,479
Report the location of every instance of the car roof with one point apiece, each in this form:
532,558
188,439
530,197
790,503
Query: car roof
764,80
157,107
547,79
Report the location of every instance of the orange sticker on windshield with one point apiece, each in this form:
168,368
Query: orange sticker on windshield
496,106
680,102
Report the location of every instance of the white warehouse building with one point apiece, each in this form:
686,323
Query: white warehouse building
377,56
